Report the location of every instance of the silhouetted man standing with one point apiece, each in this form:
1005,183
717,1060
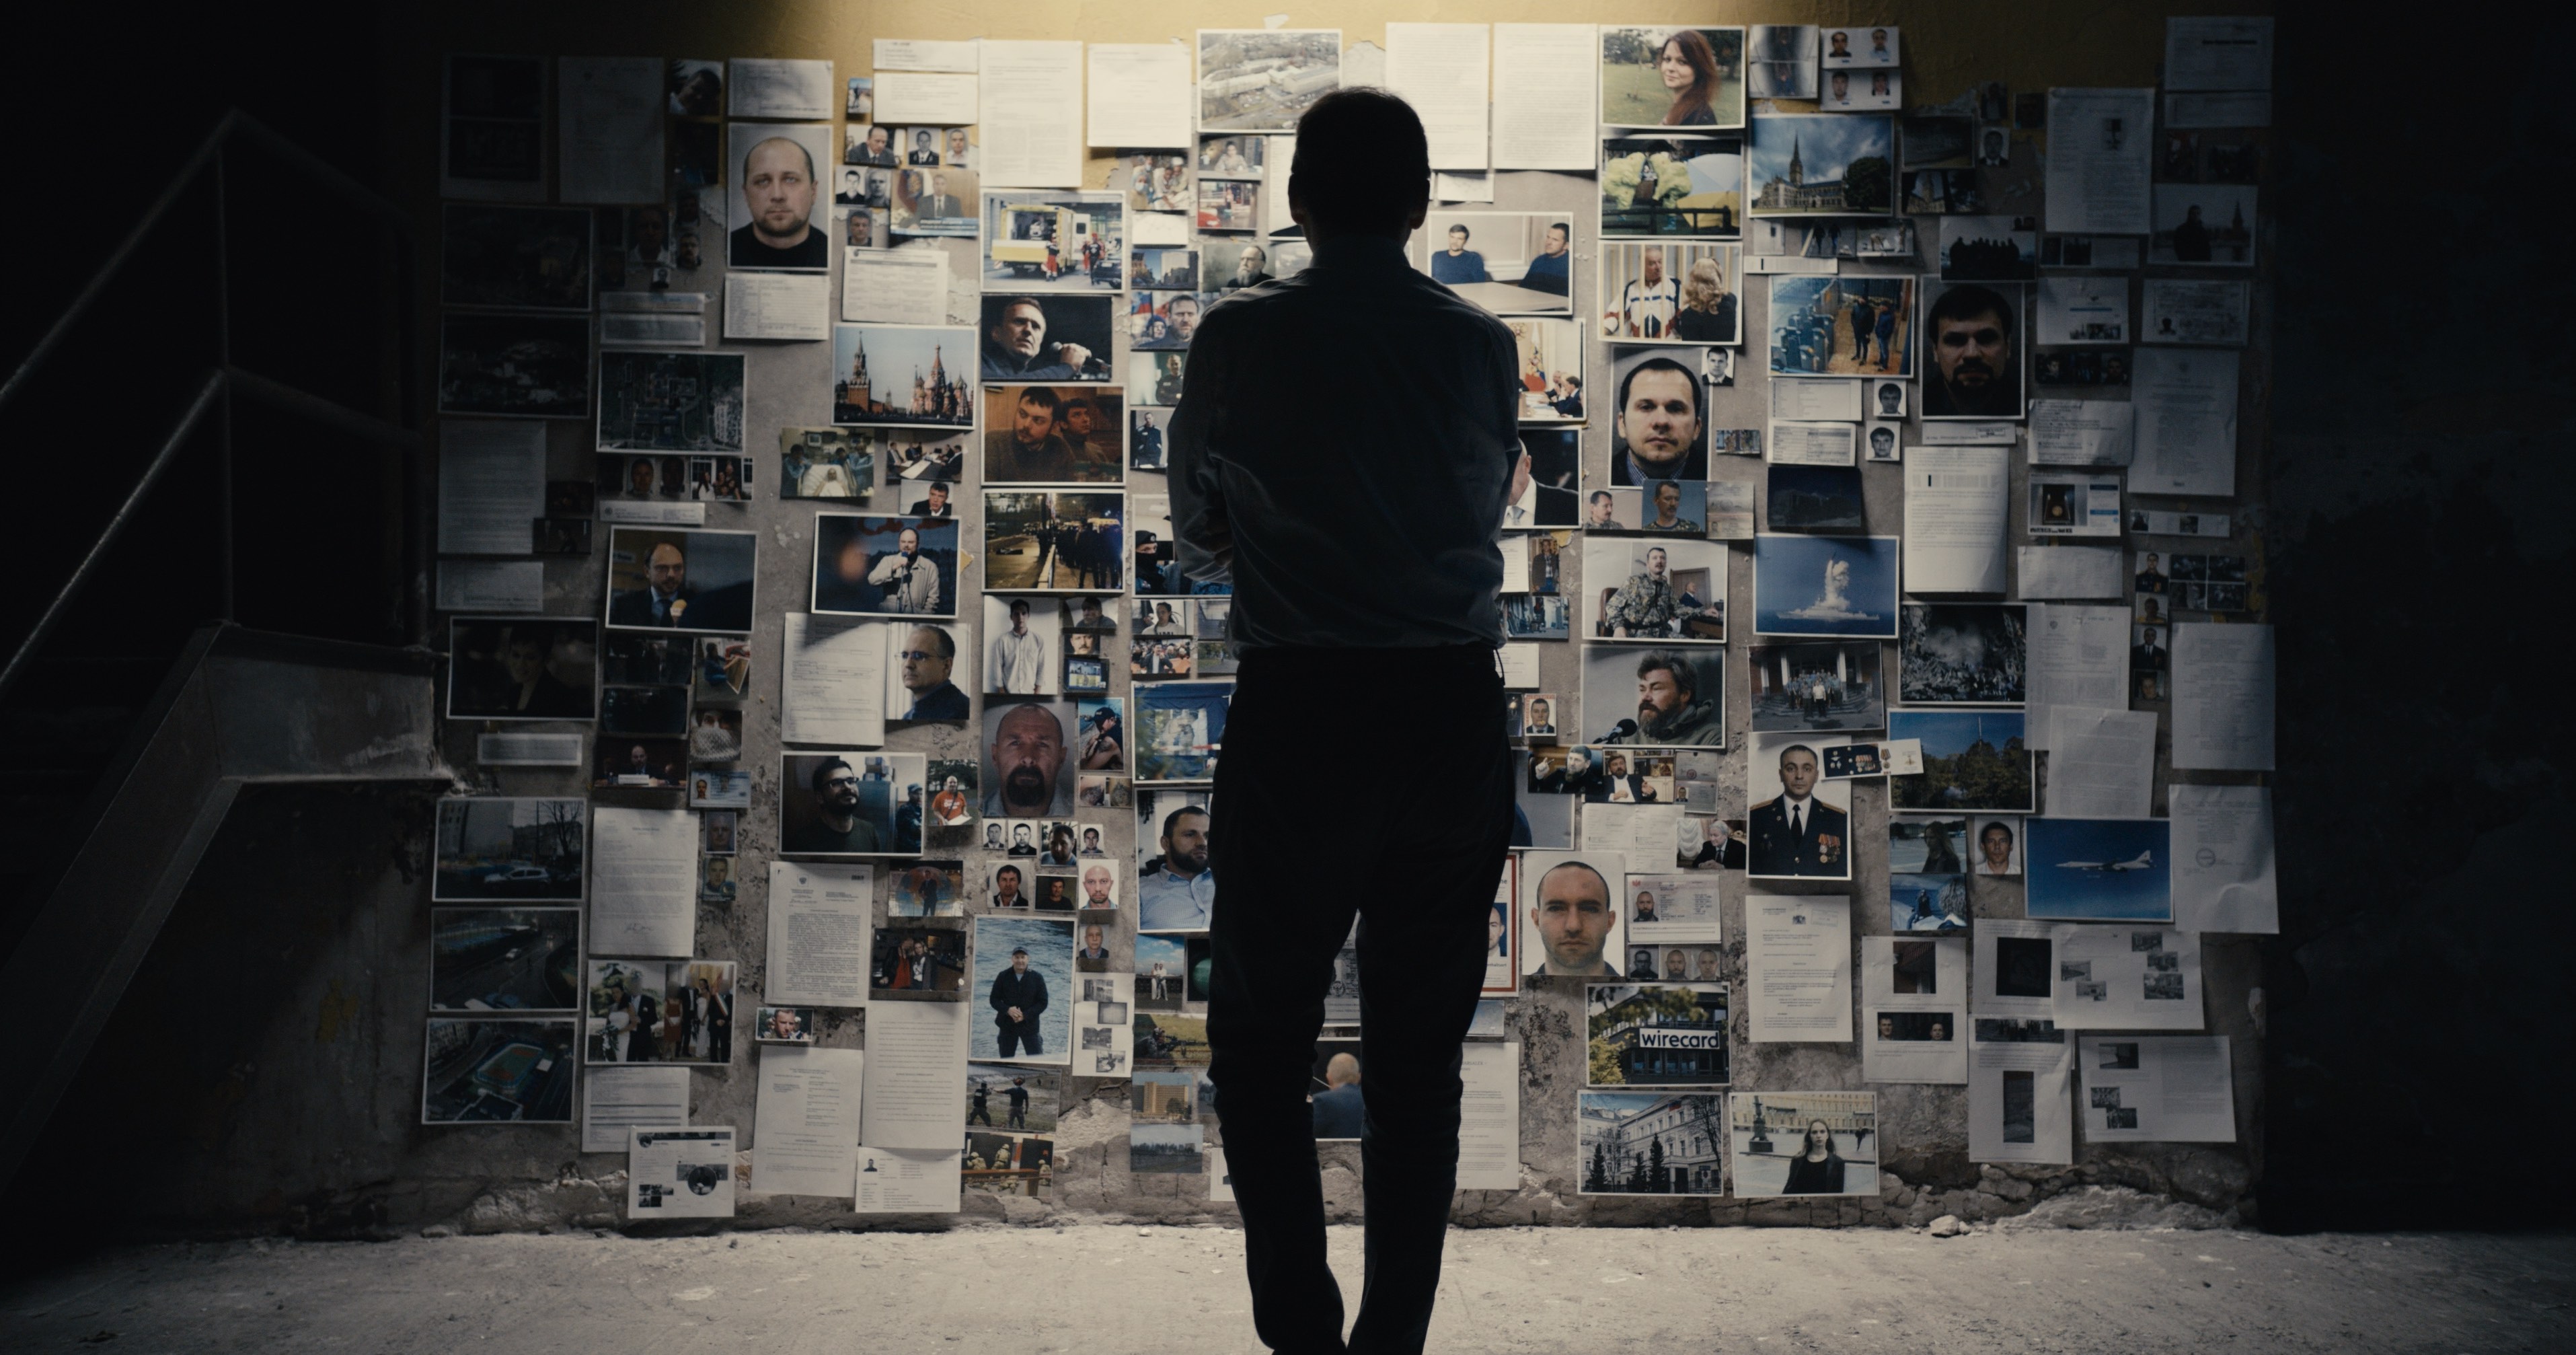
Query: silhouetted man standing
1371,550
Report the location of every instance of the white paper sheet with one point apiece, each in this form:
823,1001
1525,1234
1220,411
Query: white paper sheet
1440,70
898,286
1467,186
1798,967
1807,397
1159,228
2125,976
1489,1127
2071,572
491,485
777,306
832,682
1519,660
2039,1123
916,1075
922,97
1812,444
923,54
787,88
643,881
2101,763
1640,832
1936,992
2218,52
1139,95
608,129
2017,981
2083,308
531,750
909,1180
2251,108
491,585
2174,1089
2222,697
1955,506
2101,156
818,934
1221,1178
806,1126
2223,877
1968,433
2186,401
680,1173
2082,432
1547,77
2195,310
616,1101
691,514
652,329
1030,111
2077,656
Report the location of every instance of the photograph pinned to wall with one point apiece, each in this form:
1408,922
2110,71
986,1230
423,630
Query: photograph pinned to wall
504,959
884,566
1532,715
1842,326
520,849
1022,637
1534,616
923,664
1573,924
522,668
1935,192
776,169
1846,91
1148,438
1655,590
1926,901
1816,687
1734,441
1233,157
1169,268
1927,844
1937,141
492,128
1549,386
1660,430
2203,224
1008,1164
1825,586
1165,320
2080,367
1973,761
1548,498
1998,846
1730,510
1055,434
662,711
1979,363
2067,504
1155,378
1672,77
1162,972
955,790
850,804
1509,263
515,258
671,402
1671,292
1678,910
860,98
1053,541
931,889
1989,248
1046,337
1228,205
520,366
1963,654
1881,443
917,964
1651,1143
1026,1100
1781,60
658,1011
478,1071
1009,884
1263,80
1861,48
1891,239
1657,697
2191,310
1180,729
1053,240
1821,164
1797,824
908,375
1165,1149
2100,870
825,463
625,762
868,144
927,465
1023,973
681,579
1028,768
1804,1143
2084,308
1162,649
1665,186
711,788
939,202
1812,499
1656,1035
786,1025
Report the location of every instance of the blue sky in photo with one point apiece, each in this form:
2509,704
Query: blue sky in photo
1789,573
1947,733
2128,895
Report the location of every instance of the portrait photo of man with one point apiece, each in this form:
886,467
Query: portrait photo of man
867,144
1177,887
1677,700
1796,833
828,807
667,579
1027,774
1976,353
928,656
1028,446
1017,346
1661,432
1573,914
782,203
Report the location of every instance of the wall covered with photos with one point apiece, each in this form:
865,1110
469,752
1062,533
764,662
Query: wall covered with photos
772,471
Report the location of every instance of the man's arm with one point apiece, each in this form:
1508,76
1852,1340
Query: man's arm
1199,524
885,568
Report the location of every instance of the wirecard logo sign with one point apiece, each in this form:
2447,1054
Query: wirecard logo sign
1651,1038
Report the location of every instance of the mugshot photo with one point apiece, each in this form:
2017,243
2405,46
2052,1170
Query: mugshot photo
775,168
1573,924
1659,429
1979,361
1797,824
850,804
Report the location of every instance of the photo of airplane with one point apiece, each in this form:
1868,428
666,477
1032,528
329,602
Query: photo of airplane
2145,861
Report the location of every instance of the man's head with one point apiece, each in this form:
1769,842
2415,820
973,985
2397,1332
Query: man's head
1095,887
1654,263
1036,419
523,656
1572,913
1668,500
921,139
1363,165
1559,235
1659,414
1080,417
778,187
1666,686
879,142
836,787
1020,834
1656,562
1841,92
1006,882
1537,710
1972,344
1185,840
1798,770
1183,311
1886,1027
1091,937
956,143
782,1023
1020,327
1600,504
2147,636
667,567
1882,441
1028,750
1458,236
1342,1070
1251,261
1019,961
719,869
928,654
1019,616
2151,561
1707,963
1890,397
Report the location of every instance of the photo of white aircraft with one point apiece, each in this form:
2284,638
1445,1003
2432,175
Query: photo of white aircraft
2144,861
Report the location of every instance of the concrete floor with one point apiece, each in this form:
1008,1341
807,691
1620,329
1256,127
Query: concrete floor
1134,1291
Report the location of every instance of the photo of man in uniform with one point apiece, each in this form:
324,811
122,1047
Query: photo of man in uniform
1794,833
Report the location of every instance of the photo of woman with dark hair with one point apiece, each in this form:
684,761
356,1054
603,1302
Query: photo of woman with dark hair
1818,1170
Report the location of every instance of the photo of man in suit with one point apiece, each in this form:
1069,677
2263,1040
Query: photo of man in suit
668,600
1794,833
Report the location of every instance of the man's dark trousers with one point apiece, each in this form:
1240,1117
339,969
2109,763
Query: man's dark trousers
1419,870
